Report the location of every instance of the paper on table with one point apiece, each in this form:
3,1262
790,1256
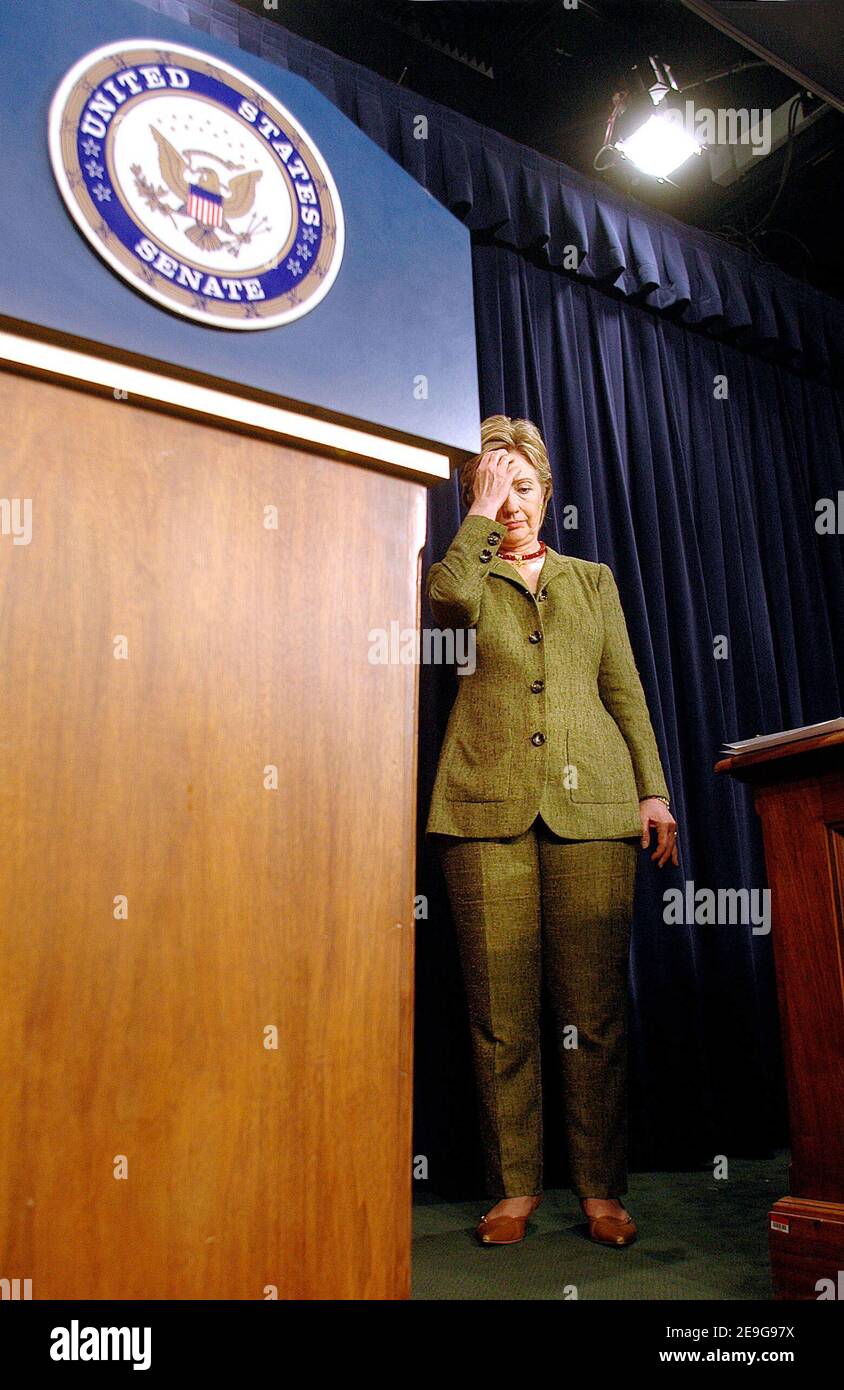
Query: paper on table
829,726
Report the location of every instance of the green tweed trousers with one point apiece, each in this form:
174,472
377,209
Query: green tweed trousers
534,910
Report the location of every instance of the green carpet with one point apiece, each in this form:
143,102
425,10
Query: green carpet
698,1239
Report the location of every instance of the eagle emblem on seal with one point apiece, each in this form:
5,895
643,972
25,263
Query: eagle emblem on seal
208,201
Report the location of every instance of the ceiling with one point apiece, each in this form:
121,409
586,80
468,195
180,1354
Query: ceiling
543,72
801,37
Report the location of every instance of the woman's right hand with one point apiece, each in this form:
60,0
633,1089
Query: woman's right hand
492,482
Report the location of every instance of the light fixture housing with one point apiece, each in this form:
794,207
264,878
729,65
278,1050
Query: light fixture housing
647,125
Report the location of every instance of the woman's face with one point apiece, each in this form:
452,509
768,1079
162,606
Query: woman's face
521,512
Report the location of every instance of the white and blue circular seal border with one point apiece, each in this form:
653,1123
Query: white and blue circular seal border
290,284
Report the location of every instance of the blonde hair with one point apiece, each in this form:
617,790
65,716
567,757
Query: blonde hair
521,436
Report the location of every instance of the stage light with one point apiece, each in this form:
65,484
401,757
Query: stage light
647,125
659,146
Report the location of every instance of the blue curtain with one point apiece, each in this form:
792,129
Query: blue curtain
690,400
704,508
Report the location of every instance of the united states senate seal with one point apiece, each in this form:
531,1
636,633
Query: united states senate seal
195,184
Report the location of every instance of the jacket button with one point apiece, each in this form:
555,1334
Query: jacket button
493,538
535,636
486,555
543,593
537,739
537,686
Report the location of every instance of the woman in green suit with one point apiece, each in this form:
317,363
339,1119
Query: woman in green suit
548,781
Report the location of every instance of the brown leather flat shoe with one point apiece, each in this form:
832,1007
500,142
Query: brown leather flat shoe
612,1230
505,1230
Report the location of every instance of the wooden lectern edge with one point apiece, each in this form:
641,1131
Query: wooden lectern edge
186,393
737,763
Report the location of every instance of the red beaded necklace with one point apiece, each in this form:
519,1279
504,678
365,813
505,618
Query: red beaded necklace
520,559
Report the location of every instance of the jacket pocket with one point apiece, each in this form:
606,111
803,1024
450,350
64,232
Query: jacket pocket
476,771
600,758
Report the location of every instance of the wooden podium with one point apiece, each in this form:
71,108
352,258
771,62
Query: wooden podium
208,805
799,794
207,765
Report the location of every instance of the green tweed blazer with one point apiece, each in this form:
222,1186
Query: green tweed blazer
553,719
